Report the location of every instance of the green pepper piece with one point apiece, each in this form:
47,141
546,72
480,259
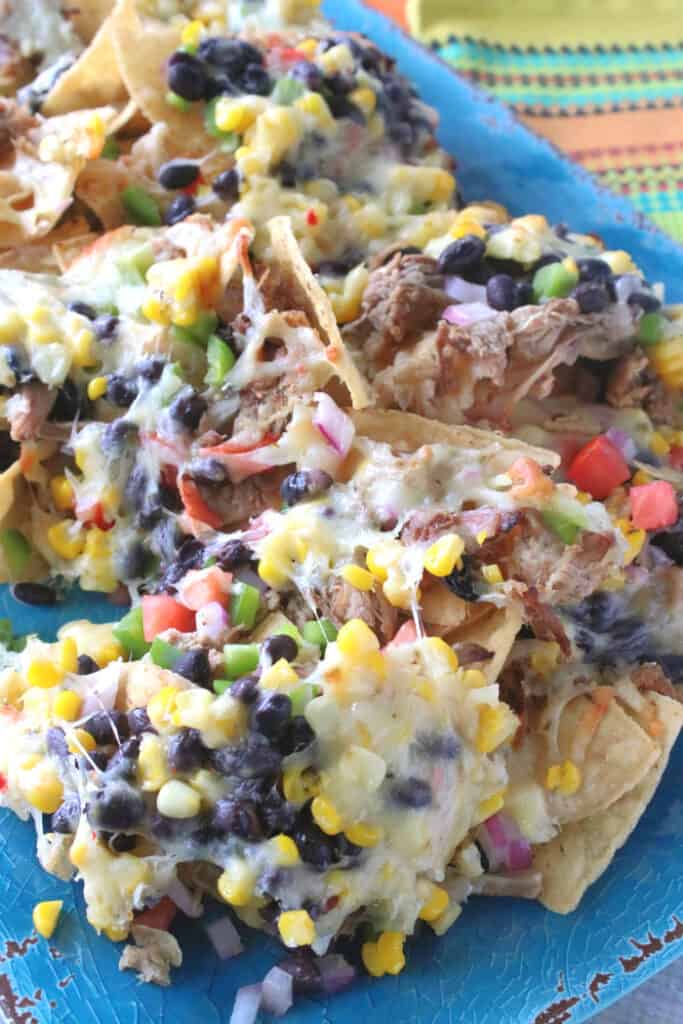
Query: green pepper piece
220,358
16,549
240,659
133,267
286,91
320,632
164,654
562,525
244,604
229,140
178,102
301,695
130,633
141,208
651,328
111,149
221,685
9,639
199,332
553,281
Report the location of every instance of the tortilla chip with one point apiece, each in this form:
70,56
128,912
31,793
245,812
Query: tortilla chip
93,81
316,304
582,851
87,16
99,186
495,630
14,502
406,432
142,49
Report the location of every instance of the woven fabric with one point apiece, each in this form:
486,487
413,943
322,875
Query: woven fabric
601,79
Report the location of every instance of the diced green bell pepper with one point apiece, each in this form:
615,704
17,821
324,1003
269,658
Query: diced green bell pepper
553,281
134,265
164,654
111,149
240,659
199,332
286,91
130,633
220,359
141,208
244,605
221,685
229,140
301,695
177,102
16,549
320,632
651,328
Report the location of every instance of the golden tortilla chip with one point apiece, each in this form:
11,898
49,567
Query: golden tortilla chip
316,304
93,81
495,631
87,15
99,187
582,851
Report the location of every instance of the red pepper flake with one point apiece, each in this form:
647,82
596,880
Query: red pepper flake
312,218
3,783
191,189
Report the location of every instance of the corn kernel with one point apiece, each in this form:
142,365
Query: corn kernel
232,116
444,554
359,578
46,795
491,805
313,103
156,311
443,187
435,904
62,493
384,956
272,574
298,786
426,689
67,654
619,262
492,573
545,657
285,850
80,740
44,674
81,349
67,539
209,785
45,917
356,640
570,266
436,645
496,724
236,884
468,227
326,816
152,767
565,777
67,706
351,203
161,708
583,497
481,537
176,799
365,99
97,387
641,477
381,557
115,933
280,676
308,46
473,678
363,834
108,653
296,928
659,444
192,34
337,58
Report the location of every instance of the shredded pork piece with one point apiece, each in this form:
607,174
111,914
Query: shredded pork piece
340,602
154,953
28,411
651,678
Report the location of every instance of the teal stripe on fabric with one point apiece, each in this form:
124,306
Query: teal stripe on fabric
568,96
574,61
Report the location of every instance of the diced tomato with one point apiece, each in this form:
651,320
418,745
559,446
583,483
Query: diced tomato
653,506
202,586
242,461
3,783
676,456
407,634
285,55
194,504
529,479
160,612
159,916
93,515
311,218
235,447
598,468
169,476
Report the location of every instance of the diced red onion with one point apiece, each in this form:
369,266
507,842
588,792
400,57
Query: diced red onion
626,285
463,291
519,855
247,1005
621,440
103,688
225,940
188,902
336,427
503,843
335,973
468,313
212,621
276,991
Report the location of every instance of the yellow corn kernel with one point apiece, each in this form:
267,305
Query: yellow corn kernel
308,46
659,444
467,227
313,103
565,777
443,187
67,706
444,554
496,724
667,360
398,592
82,354
365,99
473,678
192,33
248,161
640,477
326,816
491,805
617,581
337,58
236,884
356,640
97,387
384,956
80,740
545,657
285,850
97,544
11,327
298,786
46,794
435,905
583,497
176,799
108,653
481,537
234,116
296,928
492,573
46,916
67,539
426,689
359,578
351,203
280,676
619,262
161,708
110,498
272,573
152,768
189,708
381,557
436,645
156,311
44,674
115,933
67,654
62,493
363,834
209,785
570,266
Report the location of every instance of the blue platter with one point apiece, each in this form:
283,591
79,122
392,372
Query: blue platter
504,962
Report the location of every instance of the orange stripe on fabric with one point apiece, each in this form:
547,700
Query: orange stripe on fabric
394,9
577,134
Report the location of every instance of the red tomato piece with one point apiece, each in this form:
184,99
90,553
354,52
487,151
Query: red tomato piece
159,916
194,504
93,515
201,587
160,612
407,634
676,456
598,468
653,506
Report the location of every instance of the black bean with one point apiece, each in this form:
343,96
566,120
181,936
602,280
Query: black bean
34,593
297,735
308,73
525,294
237,817
194,665
280,646
287,173
672,665
132,562
591,296
86,665
66,818
117,434
252,759
344,848
412,792
315,848
138,721
233,554
117,806
256,80
187,78
177,174
98,758
306,483
647,302
151,369
106,726
437,745
231,55
186,752
461,255
121,391
9,451
599,612
207,471
181,207
167,538
227,185
270,714
304,971
546,260
593,269
188,408
70,403
122,843
122,764
55,741
277,814
246,689
83,309
501,292
106,326
461,582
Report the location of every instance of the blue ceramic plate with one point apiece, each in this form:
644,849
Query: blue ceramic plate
504,962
